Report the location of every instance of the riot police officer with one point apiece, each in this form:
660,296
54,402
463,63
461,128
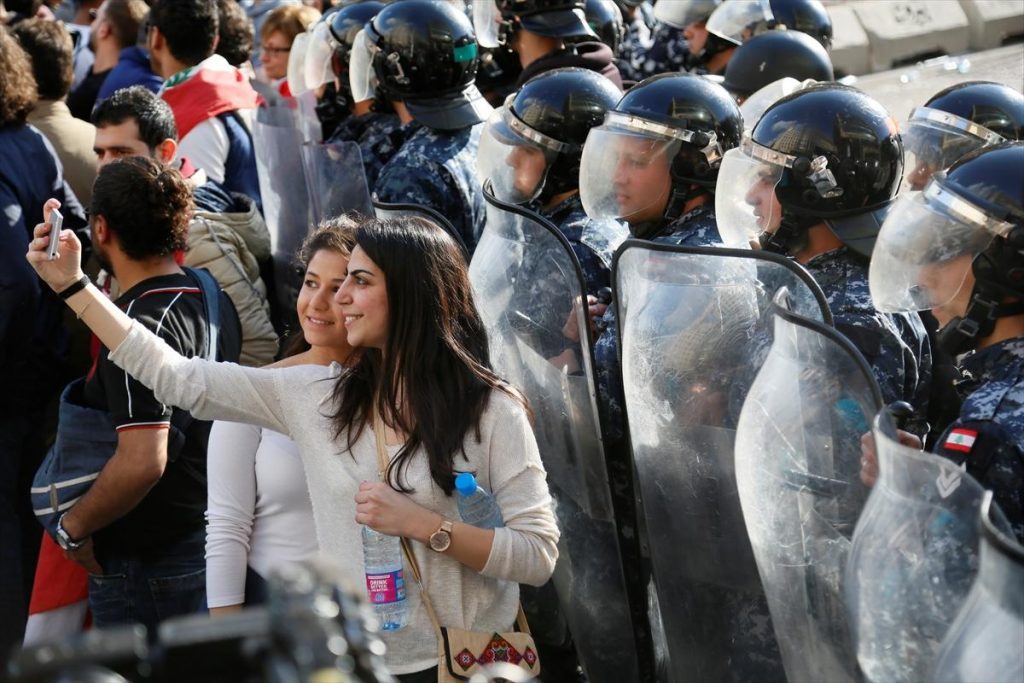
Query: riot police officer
736,21
605,20
955,121
372,124
654,163
531,148
957,248
813,180
638,17
666,49
421,56
545,34
771,56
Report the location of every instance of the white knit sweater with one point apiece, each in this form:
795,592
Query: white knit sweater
296,401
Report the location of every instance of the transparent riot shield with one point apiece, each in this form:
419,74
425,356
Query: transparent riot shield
986,642
797,469
386,210
278,146
528,288
914,558
335,180
694,326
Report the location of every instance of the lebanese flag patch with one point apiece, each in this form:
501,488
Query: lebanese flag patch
961,440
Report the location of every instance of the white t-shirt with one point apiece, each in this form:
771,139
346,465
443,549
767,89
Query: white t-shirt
258,513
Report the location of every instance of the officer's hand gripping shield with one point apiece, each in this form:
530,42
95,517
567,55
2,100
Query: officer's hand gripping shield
694,325
914,558
797,469
529,290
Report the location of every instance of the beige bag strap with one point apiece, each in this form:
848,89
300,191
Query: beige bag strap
382,467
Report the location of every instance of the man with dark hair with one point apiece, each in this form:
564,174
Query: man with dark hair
48,45
114,29
212,101
235,37
140,529
227,236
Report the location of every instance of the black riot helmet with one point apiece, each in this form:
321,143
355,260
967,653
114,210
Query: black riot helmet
957,120
967,219
683,122
739,20
605,19
423,54
770,56
497,20
531,146
345,23
828,153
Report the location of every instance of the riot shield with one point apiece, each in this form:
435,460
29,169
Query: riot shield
529,291
335,180
913,560
387,210
694,325
986,642
278,145
797,469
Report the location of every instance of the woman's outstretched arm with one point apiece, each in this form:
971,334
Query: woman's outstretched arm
206,389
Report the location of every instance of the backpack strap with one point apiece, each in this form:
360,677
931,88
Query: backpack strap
210,291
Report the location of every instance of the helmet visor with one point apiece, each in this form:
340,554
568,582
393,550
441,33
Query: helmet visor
933,140
745,201
486,19
297,65
360,68
740,20
682,13
515,165
626,174
317,64
754,107
925,249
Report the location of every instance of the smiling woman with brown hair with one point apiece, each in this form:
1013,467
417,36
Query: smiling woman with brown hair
424,377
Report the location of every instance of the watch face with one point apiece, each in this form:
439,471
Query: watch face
440,540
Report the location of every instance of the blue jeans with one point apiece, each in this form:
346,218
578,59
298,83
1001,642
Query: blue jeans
149,590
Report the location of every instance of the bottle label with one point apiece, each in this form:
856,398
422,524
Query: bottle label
385,588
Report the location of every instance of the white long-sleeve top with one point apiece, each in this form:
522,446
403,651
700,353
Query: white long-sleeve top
297,401
258,509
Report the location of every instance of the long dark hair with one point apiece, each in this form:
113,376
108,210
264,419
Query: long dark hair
434,378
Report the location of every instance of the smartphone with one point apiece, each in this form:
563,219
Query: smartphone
56,223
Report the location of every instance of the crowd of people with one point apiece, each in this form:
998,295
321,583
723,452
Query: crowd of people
235,434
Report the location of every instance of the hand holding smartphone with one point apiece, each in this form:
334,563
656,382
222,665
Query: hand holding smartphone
56,223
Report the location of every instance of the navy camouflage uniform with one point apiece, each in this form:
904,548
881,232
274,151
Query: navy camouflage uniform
437,169
637,40
895,344
696,228
379,136
989,433
668,53
593,242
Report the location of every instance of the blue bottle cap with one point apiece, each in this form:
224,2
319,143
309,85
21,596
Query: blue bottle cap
465,484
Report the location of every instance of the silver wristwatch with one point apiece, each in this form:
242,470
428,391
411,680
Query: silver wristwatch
64,539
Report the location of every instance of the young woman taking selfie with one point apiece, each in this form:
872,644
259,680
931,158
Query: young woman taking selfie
424,371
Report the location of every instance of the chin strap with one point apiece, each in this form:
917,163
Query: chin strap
961,335
790,238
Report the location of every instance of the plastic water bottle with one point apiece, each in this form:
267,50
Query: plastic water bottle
476,505
385,580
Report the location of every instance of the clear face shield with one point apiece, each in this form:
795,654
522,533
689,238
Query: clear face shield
739,20
625,172
925,248
515,157
487,23
317,68
933,140
361,77
745,202
681,13
296,74
754,107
